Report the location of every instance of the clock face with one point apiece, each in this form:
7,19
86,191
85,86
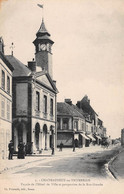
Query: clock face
43,47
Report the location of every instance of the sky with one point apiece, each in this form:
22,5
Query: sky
88,53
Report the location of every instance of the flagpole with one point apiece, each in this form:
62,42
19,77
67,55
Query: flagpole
42,6
43,13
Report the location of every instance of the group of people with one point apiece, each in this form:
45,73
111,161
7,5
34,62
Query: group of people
21,150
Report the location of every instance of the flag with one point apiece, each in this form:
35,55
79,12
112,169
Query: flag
41,6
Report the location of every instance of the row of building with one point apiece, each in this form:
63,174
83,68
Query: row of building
29,109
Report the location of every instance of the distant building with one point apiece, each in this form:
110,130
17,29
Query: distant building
104,134
100,131
34,97
84,104
89,129
122,137
71,126
5,102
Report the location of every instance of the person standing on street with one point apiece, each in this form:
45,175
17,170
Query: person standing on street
52,150
61,146
11,149
21,150
74,146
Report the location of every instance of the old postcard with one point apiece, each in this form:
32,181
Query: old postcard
61,96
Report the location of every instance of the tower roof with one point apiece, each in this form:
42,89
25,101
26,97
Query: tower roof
42,34
42,29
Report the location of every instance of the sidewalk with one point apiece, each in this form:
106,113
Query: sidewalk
9,164
116,166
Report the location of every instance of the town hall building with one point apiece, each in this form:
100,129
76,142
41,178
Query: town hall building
34,97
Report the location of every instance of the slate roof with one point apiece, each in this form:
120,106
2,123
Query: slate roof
42,29
87,108
5,60
65,109
19,68
42,34
44,37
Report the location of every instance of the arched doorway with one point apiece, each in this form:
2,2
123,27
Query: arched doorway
19,133
45,137
37,131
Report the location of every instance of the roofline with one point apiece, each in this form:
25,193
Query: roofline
89,106
46,86
31,77
49,78
3,57
81,116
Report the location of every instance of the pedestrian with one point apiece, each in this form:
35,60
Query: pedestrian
11,150
61,146
24,149
52,150
74,147
21,152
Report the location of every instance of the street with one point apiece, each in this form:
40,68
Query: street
75,165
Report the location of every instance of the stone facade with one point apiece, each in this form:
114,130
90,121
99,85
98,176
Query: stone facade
5,103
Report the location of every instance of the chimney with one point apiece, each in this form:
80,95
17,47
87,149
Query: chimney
68,101
32,65
87,99
1,45
78,104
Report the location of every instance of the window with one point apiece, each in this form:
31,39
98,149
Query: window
45,104
76,125
51,106
8,84
37,101
8,110
3,107
3,80
65,123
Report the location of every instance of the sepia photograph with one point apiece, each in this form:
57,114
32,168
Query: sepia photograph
62,96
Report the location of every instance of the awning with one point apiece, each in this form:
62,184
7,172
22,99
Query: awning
98,137
91,137
84,136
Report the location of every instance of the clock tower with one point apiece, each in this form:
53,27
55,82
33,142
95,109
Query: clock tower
43,51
